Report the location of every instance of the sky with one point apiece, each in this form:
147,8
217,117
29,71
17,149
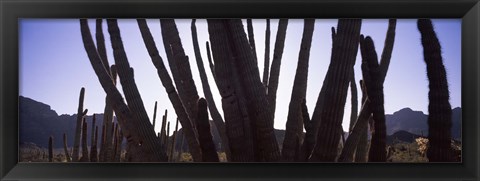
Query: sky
54,65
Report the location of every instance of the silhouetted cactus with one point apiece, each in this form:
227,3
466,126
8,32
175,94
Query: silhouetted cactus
210,61
65,149
253,90
85,154
92,135
187,126
294,125
138,130
362,146
80,114
106,146
309,140
183,77
366,110
276,62
344,52
237,120
93,150
209,153
154,114
354,101
216,116
373,82
266,65
251,38
163,129
439,108
50,149
174,141
102,52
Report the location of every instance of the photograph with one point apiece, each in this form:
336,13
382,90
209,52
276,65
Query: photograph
240,90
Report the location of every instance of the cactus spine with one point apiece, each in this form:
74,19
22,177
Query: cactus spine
217,118
294,125
439,108
80,115
344,51
209,153
187,126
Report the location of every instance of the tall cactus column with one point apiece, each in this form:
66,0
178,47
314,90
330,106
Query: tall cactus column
439,108
80,114
258,105
217,118
344,52
294,125
166,80
237,122
371,75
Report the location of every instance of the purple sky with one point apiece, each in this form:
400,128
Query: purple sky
54,65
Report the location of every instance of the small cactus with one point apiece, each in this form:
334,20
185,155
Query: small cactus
50,149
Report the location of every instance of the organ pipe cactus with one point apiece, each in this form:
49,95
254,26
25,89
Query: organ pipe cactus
93,147
237,120
276,62
187,126
366,110
216,116
373,83
65,149
362,146
92,135
163,132
344,52
101,46
294,125
354,101
106,146
154,114
309,139
50,149
144,139
183,77
251,38
209,153
266,65
174,141
439,108
85,153
210,61
80,115
256,99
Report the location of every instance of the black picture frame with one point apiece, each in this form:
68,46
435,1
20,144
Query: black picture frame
11,10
